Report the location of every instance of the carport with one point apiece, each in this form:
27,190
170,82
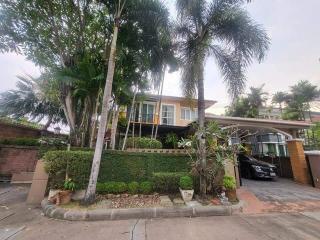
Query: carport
289,129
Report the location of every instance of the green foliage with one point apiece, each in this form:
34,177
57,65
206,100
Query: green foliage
133,187
229,182
167,182
218,153
248,106
57,142
146,187
112,187
69,185
186,183
115,166
144,143
20,141
172,140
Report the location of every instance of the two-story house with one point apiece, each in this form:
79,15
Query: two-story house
171,114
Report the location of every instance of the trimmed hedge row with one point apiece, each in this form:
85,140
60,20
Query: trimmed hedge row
143,142
115,166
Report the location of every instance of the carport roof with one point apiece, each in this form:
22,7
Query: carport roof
255,122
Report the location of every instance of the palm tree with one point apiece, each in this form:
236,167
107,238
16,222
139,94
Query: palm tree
224,30
148,15
257,97
280,98
29,100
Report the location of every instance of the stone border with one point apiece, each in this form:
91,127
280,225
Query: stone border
52,211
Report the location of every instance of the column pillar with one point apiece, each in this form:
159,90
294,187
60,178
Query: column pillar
39,184
298,161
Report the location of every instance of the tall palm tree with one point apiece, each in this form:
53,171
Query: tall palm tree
29,100
280,98
224,30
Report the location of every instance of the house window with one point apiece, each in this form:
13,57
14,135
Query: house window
147,113
167,115
188,114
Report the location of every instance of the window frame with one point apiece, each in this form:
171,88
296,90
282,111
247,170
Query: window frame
174,114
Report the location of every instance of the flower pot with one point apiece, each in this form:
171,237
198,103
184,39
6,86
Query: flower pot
59,196
231,194
186,195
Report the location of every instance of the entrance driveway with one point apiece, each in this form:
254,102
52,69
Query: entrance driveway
283,190
281,195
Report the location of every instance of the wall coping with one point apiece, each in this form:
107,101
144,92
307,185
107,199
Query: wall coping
295,140
314,152
161,150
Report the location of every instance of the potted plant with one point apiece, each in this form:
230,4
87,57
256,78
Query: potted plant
186,188
63,196
229,183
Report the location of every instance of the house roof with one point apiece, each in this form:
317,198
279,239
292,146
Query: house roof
193,101
255,122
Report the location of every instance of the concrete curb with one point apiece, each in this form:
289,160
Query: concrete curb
53,211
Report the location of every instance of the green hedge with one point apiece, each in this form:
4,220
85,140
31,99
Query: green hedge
143,142
20,141
115,166
165,182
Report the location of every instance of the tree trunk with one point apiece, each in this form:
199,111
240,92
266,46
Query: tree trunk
159,107
94,123
129,120
91,190
201,133
48,123
114,127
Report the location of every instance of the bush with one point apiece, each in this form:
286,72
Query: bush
229,182
115,166
167,182
186,183
143,142
146,187
20,141
133,187
112,187
121,187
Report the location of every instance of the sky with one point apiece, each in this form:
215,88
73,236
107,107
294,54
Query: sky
292,25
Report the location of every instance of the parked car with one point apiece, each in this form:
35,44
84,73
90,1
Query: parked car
252,168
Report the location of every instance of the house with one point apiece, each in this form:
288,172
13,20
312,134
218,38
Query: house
169,113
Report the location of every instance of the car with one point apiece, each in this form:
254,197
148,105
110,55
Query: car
252,168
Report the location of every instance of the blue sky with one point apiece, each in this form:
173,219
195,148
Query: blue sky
293,26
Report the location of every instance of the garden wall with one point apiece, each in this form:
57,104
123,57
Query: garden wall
17,159
17,131
115,166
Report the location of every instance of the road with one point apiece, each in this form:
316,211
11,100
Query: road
20,221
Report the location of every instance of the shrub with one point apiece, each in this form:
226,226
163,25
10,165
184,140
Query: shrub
112,187
133,187
121,187
115,166
20,141
143,142
167,182
146,187
229,182
186,183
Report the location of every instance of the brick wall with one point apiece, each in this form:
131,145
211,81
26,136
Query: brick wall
13,131
16,159
298,161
